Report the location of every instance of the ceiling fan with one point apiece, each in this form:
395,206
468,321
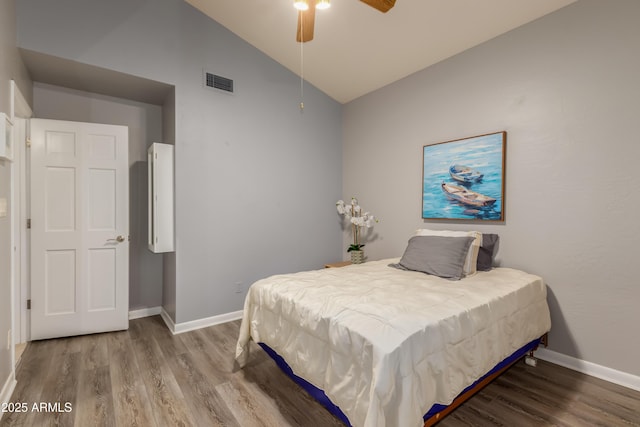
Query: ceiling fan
307,14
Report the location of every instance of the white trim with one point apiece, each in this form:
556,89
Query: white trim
168,321
144,312
7,390
614,376
20,109
200,323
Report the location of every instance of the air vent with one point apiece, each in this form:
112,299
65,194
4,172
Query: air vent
218,82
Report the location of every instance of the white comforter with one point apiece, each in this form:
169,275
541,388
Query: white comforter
385,344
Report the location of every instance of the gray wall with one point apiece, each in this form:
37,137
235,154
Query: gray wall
11,68
256,180
565,88
145,126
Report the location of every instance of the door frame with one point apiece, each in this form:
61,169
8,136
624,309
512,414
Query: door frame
20,113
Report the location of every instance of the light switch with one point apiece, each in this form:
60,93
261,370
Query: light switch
3,207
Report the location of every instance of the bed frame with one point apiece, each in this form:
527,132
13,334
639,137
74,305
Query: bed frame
432,417
437,411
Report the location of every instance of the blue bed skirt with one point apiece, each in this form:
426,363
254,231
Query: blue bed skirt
324,400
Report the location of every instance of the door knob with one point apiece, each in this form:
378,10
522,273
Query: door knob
119,239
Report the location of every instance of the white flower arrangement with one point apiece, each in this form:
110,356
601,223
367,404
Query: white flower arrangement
353,213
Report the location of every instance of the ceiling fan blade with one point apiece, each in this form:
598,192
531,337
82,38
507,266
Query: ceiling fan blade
306,21
381,5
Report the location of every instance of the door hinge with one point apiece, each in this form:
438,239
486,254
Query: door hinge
28,304
28,141
29,224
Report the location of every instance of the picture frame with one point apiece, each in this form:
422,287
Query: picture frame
464,179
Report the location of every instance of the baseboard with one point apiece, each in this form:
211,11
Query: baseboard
7,390
168,320
179,328
144,312
617,377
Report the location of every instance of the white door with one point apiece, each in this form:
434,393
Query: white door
79,228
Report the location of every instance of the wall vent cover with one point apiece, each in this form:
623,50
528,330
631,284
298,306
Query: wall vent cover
218,82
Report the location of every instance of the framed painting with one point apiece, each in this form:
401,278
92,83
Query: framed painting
464,178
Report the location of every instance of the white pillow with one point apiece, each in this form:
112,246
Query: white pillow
470,263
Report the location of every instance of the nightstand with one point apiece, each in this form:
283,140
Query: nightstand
337,264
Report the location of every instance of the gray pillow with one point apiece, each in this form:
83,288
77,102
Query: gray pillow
487,251
437,255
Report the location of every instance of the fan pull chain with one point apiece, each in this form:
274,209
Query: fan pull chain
301,63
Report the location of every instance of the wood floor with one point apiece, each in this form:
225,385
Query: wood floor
147,377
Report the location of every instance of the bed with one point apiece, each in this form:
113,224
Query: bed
390,347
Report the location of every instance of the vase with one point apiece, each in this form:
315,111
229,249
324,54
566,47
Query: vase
357,257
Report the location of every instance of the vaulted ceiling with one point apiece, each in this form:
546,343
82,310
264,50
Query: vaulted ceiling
357,49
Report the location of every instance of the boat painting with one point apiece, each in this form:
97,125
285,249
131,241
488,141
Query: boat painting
466,197
473,172
465,174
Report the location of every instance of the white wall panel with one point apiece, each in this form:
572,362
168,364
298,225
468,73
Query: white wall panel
60,199
60,282
102,199
63,143
102,279
102,147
